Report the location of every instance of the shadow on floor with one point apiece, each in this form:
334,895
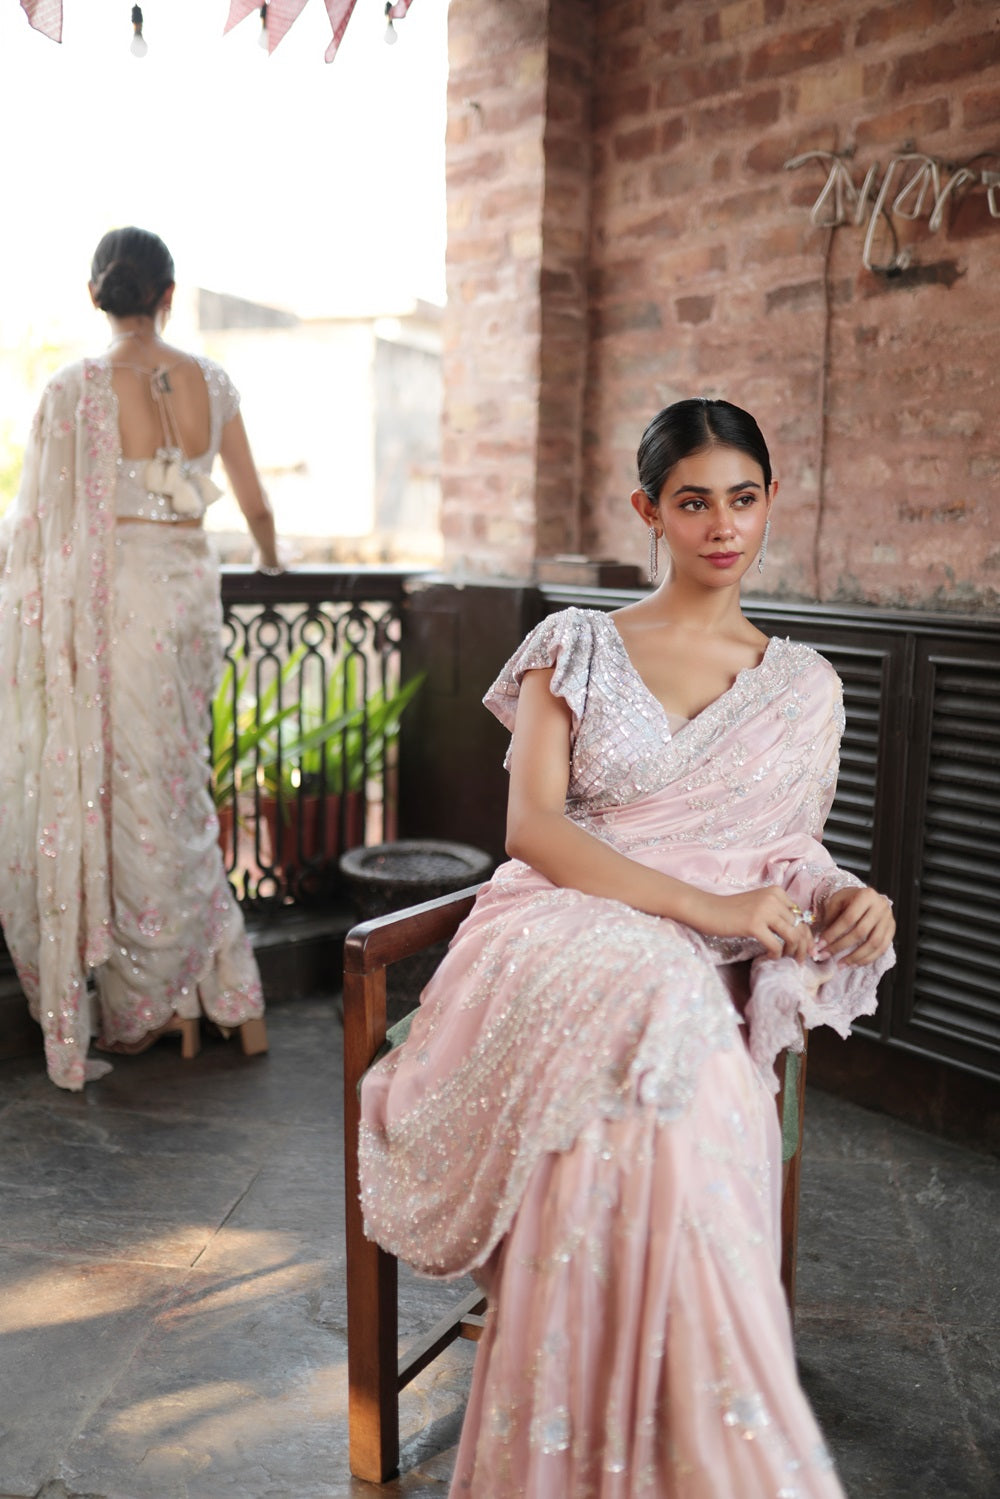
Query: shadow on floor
173,1312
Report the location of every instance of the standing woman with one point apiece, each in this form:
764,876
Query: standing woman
580,1117
110,654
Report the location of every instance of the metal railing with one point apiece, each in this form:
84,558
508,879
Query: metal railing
304,746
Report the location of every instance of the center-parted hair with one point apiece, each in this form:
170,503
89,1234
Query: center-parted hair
693,426
130,271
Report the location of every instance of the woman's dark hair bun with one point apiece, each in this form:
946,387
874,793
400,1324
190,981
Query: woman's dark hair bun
691,426
119,291
130,271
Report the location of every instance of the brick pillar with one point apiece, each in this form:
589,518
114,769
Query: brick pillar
564,277
518,174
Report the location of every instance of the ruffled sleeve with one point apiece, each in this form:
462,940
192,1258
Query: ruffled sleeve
229,397
564,642
222,394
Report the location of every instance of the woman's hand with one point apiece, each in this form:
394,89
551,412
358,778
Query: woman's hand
855,925
770,916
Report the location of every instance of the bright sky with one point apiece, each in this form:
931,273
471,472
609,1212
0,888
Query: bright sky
284,179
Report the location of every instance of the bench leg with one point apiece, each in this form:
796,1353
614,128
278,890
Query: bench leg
792,1109
372,1365
372,1331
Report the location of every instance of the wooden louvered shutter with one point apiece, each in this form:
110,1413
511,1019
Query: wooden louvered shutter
948,993
862,828
850,827
873,664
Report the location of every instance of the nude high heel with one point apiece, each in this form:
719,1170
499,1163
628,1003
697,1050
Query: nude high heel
253,1037
190,1030
252,1034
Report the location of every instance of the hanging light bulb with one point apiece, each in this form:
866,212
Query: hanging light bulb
390,37
138,47
262,39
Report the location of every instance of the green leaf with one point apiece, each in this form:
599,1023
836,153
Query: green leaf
337,744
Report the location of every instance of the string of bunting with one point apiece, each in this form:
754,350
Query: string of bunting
276,17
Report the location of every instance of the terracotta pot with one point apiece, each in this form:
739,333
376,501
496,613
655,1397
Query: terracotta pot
237,843
225,816
307,829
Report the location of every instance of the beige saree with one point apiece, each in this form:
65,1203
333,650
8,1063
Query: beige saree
109,655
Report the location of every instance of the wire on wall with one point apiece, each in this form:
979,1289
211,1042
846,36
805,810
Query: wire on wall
913,186
824,412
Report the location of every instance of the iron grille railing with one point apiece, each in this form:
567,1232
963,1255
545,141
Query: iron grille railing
304,748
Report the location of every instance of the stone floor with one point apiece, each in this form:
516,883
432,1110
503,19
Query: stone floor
172,1294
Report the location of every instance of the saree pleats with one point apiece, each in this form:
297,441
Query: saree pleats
638,1345
180,942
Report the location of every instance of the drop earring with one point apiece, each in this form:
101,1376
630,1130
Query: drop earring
654,560
763,546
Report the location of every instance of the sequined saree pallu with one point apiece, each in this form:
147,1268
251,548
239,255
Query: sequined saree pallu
579,1119
109,655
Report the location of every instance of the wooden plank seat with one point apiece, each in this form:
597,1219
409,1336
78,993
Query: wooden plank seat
376,1373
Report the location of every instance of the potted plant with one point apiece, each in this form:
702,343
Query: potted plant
302,769
313,790
241,725
249,740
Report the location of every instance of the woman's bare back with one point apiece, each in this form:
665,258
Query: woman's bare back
135,366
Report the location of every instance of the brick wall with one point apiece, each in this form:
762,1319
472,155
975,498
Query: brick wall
564,278
515,352
665,127
496,178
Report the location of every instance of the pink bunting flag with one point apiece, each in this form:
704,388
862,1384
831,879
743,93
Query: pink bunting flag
339,12
45,16
280,16
238,11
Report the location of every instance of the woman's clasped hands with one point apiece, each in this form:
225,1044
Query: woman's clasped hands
855,925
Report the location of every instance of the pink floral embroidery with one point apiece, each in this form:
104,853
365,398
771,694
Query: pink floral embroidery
78,510
150,921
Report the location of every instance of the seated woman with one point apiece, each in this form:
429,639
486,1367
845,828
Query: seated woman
110,654
579,1116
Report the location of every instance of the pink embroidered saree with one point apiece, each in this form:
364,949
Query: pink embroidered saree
577,1120
109,655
